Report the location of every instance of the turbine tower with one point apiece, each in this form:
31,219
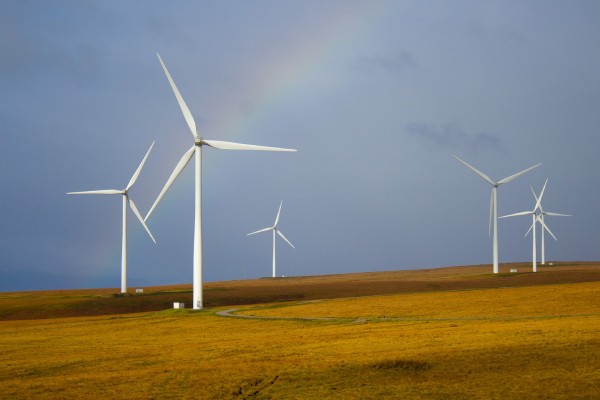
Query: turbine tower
494,204
275,231
540,219
126,201
196,150
534,219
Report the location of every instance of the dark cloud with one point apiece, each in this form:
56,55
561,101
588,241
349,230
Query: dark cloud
453,136
392,63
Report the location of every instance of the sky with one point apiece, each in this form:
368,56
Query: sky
377,96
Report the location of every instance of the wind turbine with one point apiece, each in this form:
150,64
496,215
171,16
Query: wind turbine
126,201
494,204
196,150
540,219
275,231
534,219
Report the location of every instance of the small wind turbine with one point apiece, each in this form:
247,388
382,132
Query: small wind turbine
540,219
534,219
196,150
494,204
275,231
126,201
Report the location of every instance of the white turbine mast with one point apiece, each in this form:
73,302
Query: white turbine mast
196,150
275,232
494,204
126,201
540,219
534,219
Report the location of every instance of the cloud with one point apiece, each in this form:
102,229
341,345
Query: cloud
451,135
391,63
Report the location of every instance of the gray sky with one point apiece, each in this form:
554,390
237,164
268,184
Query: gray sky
376,95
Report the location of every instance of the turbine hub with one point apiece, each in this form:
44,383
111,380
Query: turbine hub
198,141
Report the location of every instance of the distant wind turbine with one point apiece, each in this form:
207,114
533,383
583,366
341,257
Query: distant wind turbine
534,219
494,204
126,201
275,231
196,150
540,219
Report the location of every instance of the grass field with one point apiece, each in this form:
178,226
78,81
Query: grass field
443,333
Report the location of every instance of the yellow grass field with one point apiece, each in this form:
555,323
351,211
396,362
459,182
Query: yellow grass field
505,343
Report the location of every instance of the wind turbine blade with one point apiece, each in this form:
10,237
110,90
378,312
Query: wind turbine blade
137,172
139,216
284,238
557,214
184,108
510,178
536,198
478,172
107,191
262,230
180,166
277,217
529,230
548,229
517,214
218,144
539,200
533,192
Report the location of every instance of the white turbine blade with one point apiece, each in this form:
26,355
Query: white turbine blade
529,230
536,198
137,171
533,192
107,191
184,108
218,144
510,178
284,238
262,230
139,216
277,217
548,229
180,166
539,199
478,172
556,214
517,214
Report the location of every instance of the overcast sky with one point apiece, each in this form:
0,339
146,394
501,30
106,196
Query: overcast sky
376,95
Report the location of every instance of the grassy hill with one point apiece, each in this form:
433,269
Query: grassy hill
89,302
446,333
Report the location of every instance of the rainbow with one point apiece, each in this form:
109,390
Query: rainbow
288,74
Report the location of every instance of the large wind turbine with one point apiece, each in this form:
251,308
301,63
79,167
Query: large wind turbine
275,231
540,219
534,219
494,204
196,150
126,201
